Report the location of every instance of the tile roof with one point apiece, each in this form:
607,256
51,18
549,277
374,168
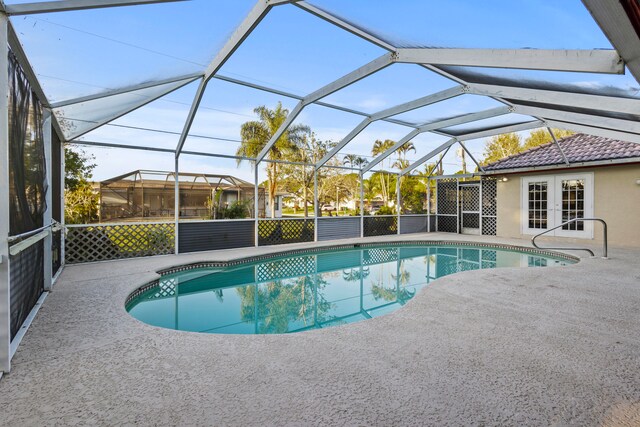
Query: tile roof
578,148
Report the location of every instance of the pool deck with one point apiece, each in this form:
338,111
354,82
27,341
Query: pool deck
515,346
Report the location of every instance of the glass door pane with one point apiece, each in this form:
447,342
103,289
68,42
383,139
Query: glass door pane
574,196
572,203
538,194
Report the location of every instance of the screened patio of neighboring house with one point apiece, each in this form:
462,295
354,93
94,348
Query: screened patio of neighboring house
150,195
177,108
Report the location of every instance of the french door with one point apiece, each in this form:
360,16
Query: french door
548,201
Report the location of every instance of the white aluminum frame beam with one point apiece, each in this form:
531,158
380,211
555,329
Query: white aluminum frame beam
467,118
464,147
585,61
69,5
595,102
398,109
250,22
345,25
127,89
615,24
555,141
606,133
300,98
475,135
5,299
141,103
428,156
366,70
580,118
502,130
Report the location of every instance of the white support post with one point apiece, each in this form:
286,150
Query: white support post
398,200
63,172
315,204
176,205
361,204
458,213
256,204
428,184
5,299
48,273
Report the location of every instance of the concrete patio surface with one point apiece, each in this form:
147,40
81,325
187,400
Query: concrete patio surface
515,346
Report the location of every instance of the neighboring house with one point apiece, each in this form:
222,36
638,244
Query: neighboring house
150,195
538,190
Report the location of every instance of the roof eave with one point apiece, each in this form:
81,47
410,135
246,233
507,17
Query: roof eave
609,162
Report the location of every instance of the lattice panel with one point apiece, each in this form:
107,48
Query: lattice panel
447,197
489,255
489,226
470,196
379,256
448,224
467,265
278,232
107,242
380,225
166,288
446,265
488,264
489,197
290,267
471,220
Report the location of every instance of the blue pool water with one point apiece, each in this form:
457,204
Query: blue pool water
309,291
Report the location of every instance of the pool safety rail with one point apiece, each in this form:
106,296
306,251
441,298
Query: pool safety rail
604,235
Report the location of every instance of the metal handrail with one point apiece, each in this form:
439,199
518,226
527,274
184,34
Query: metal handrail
604,225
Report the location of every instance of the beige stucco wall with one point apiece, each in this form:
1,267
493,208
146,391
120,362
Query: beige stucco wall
616,200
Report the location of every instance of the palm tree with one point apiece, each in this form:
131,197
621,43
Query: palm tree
354,160
402,162
380,147
256,134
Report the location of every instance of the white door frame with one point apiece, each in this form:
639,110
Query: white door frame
554,204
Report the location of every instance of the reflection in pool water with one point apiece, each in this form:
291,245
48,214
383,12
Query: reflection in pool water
310,291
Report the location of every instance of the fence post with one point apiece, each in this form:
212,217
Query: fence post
428,205
398,201
176,207
361,204
315,204
256,203
5,300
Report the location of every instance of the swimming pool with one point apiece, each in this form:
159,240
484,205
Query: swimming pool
310,290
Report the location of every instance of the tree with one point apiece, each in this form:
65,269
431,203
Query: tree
299,179
256,134
501,146
542,136
80,200
354,160
402,162
78,168
380,147
508,144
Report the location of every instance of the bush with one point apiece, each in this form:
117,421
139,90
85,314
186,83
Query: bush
236,210
385,210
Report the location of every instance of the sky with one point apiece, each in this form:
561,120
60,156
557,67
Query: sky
86,52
